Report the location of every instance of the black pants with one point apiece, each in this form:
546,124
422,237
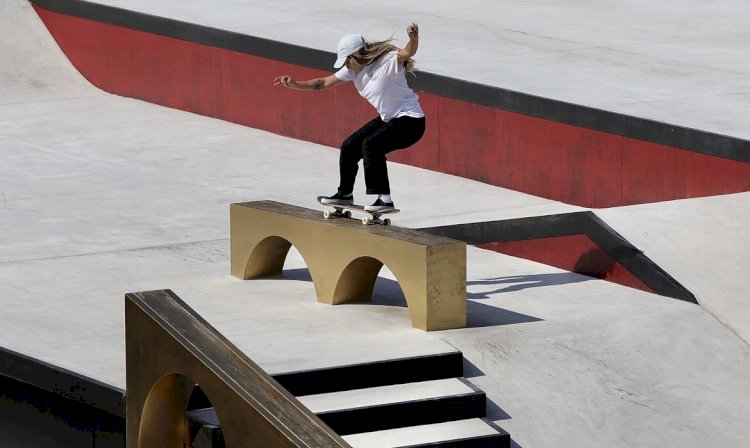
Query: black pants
370,144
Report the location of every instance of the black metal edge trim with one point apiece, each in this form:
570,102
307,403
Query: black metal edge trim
680,137
496,427
501,440
378,373
63,382
507,230
585,223
634,260
406,413
629,126
469,384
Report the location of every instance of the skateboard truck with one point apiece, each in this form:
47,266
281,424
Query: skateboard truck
345,211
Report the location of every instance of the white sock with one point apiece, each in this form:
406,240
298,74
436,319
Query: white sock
385,198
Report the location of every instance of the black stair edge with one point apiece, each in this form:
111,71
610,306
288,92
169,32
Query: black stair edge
499,440
489,441
497,428
406,413
204,417
374,374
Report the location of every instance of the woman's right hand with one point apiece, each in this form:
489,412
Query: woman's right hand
310,84
285,81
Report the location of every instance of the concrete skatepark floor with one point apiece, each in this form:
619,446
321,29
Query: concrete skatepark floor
103,195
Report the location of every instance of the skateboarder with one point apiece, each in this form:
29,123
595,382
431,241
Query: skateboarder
378,70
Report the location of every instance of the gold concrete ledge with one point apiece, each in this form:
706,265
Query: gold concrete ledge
344,258
169,348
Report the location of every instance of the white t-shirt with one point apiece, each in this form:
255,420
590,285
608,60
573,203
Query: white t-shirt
383,84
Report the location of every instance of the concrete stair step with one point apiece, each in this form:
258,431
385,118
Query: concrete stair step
475,433
379,373
395,406
411,402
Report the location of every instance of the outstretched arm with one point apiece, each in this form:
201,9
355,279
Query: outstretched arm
411,48
310,84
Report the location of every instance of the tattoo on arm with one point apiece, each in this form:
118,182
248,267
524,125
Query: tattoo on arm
318,84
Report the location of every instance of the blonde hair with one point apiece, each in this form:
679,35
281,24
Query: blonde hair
374,50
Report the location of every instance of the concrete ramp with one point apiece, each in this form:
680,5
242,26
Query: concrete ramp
703,243
33,67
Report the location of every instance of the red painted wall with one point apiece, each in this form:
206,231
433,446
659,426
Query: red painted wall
575,253
544,158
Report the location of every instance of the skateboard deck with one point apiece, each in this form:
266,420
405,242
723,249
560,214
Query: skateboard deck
345,211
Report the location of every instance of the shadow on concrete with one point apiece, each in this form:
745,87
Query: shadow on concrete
595,263
388,292
521,282
494,412
299,274
471,370
481,315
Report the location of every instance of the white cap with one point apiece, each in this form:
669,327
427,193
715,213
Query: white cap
348,45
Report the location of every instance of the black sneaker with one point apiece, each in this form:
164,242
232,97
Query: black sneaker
379,206
338,199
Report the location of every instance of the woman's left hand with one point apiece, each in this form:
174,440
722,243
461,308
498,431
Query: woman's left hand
412,31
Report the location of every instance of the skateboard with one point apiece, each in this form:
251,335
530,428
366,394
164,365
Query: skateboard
345,211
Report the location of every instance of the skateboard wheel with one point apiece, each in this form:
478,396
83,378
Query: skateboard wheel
348,214
326,214
387,222
366,220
